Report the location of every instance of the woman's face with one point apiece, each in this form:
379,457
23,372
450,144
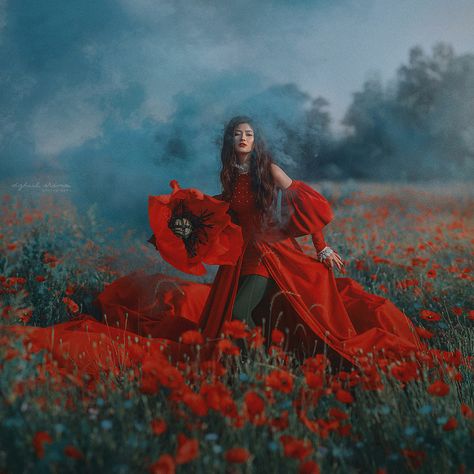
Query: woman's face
243,138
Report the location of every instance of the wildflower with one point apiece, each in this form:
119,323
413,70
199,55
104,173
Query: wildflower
72,452
192,337
404,284
314,380
24,314
187,450
405,372
40,278
280,422
39,440
451,424
466,411
196,403
428,315
256,338
280,380
73,307
236,328
318,362
431,273
344,396
338,414
438,388
296,448
456,310
414,458
277,336
224,346
237,455
309,467
254,405
164,465
158,426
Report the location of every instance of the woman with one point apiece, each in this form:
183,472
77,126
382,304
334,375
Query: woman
259,176
273,284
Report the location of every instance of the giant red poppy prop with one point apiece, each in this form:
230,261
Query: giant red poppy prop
191,228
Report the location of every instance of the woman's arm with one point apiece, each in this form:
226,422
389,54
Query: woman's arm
282,180
325,254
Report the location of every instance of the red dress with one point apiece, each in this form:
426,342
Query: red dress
317,311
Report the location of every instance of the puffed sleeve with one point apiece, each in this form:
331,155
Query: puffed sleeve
304,211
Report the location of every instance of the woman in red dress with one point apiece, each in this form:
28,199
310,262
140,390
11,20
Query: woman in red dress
273,284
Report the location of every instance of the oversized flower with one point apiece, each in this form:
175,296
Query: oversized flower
191,228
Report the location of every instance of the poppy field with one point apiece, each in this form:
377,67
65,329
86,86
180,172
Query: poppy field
134,411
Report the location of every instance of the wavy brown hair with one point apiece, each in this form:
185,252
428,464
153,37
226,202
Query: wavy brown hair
262,183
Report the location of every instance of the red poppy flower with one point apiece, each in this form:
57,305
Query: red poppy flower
314,380
344,396
191,228
438,388
188,449
451,424
39,440
237,455
338,414
71,304
158,426
164,465
309,467
195,403
192,337
225,346
414,458
256,338
405,371
72,452
254,405
280,380
278,337
296,448
466,411
428,315
236,329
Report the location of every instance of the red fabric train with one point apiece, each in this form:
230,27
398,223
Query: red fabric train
317,311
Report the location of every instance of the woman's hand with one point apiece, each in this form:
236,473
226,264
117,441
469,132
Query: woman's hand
330,258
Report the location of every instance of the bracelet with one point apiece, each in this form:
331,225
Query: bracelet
325,252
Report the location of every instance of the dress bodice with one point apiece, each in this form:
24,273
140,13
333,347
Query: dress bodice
243,204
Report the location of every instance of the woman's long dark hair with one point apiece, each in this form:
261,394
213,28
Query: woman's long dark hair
262,183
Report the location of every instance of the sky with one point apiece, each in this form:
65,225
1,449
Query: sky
93,88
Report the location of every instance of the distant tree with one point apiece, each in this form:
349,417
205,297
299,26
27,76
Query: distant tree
309,140
367,118
421,127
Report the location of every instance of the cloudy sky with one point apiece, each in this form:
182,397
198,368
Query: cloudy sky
90,86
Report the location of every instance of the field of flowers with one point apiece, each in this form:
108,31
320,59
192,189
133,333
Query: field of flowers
411,244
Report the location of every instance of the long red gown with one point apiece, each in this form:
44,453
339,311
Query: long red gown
317,311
